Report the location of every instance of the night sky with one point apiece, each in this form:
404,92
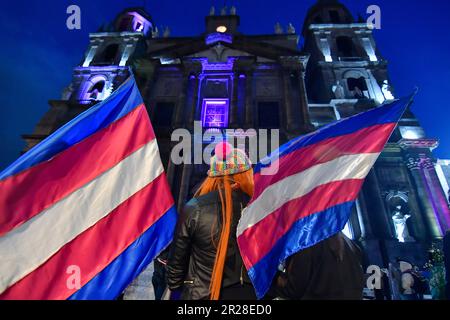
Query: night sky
38,52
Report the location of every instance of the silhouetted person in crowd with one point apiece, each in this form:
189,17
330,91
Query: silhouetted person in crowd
204,260
329,270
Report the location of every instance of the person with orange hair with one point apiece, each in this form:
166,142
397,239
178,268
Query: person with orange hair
204,261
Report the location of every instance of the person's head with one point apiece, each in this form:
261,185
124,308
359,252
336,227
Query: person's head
230,169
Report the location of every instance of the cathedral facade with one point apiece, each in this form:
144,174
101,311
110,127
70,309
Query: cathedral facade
269,82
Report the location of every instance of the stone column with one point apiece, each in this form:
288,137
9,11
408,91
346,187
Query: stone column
429,213
147,92
241,99
363,219
297,115
234,119
304,111
287,97
249,100
437,193
181,105
193,103
170,171
372,192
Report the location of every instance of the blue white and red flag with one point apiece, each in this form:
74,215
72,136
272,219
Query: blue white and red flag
311,195
91,200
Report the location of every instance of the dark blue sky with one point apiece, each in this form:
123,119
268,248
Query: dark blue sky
38,52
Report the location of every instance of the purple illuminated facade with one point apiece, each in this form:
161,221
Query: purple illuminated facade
218,37
215,113
233,80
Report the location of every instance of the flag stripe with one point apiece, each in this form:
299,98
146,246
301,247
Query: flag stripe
292,224
121,102
389,113
111,282
324,224
124,225
255,240
26,194
366,140
355,166
28,246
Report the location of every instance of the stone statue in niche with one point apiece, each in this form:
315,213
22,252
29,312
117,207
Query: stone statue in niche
338,90
401,229
387,90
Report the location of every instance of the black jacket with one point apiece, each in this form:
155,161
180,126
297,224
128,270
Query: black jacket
193,252
329,270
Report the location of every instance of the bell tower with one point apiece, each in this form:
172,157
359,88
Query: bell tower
346,75
344,58
103,68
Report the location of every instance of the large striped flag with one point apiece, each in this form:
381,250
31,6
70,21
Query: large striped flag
311,195
89,206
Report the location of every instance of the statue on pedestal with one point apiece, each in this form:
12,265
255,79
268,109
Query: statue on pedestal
338,90
401,229
290,28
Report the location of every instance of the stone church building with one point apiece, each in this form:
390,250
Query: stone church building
227,79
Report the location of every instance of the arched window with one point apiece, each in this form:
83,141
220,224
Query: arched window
345,47
95,88
108,56
95,92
